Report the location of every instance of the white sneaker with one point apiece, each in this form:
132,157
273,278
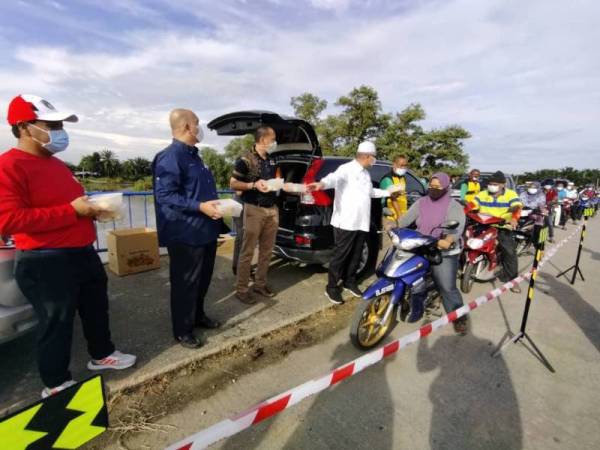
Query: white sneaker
47,392
116,360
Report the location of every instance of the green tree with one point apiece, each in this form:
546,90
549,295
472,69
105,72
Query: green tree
308,107
109,163
361,118
218,165
579,177
237,146
91,163
442,149
136,168
401,135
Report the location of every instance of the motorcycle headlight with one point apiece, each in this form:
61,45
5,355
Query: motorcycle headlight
475,243
409,244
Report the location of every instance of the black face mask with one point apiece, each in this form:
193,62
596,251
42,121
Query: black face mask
436,194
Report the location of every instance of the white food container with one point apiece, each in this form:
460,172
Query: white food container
275,184
230,208
295,187
110,204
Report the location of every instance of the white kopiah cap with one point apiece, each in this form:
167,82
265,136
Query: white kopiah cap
367,147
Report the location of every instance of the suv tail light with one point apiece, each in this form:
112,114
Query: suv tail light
304,241
317,198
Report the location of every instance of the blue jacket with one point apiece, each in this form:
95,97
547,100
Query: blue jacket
181,182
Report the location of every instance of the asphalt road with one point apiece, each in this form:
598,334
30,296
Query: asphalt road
446,392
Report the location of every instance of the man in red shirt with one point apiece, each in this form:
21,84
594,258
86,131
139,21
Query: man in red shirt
44,208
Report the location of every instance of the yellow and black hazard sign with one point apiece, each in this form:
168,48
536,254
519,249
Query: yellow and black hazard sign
66,420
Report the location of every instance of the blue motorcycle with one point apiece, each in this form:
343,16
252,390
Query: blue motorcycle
404,287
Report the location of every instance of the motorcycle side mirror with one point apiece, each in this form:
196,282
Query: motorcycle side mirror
450,225
387,212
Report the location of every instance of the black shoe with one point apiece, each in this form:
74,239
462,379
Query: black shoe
190,341
353,289
234,270
334,295
207,322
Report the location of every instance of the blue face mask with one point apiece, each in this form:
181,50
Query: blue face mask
58,140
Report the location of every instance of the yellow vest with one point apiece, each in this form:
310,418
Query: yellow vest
498,206
401,200
473,189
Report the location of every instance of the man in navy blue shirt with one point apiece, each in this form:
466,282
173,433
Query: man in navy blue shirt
188,223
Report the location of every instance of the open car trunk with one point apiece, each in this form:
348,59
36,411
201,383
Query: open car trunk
297,147
294,136
293,170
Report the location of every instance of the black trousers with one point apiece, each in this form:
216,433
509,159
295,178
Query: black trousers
191,269
346,256
508,247
58,283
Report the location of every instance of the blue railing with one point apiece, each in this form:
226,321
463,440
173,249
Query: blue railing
128,196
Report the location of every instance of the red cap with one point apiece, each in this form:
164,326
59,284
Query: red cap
25,108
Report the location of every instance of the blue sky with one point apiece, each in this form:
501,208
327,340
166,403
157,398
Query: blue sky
522,76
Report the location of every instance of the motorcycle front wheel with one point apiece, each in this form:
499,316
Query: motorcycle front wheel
467,280
367,329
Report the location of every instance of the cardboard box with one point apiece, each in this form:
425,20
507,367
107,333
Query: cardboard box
132,250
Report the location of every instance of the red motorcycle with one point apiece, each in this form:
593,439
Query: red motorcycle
480,253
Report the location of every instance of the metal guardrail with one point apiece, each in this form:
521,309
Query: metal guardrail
129,195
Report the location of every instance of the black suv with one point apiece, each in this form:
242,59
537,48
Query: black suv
305,234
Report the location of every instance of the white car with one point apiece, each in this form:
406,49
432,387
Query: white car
17,316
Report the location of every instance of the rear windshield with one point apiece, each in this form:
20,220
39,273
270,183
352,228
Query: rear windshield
330,165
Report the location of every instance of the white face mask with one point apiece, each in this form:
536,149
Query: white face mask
548,187
400,172
532,191
272,147
200,134
493,188
559,188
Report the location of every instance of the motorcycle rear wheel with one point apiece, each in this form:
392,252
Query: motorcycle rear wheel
366,331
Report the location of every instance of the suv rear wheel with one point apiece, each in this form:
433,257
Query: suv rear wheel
368,257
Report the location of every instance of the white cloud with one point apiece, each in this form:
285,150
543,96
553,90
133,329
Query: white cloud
336,5
523,77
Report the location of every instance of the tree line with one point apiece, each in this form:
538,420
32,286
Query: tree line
579,177
106,164
359,117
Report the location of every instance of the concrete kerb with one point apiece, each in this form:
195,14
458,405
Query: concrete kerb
133,382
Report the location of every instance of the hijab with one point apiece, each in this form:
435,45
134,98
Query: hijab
432,213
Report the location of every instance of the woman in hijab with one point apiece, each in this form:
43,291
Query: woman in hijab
429,213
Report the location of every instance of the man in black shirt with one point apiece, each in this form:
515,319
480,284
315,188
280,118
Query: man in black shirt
261,215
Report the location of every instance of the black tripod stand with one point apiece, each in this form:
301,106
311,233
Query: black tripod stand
575,268
541,234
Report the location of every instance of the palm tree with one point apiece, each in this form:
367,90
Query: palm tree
91,163
109,162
